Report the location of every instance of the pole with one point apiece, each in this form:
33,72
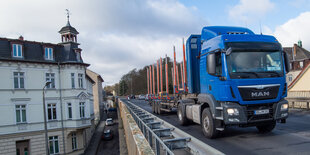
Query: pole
157,69
178,83
174,70
184,68
182,73
161,76
153,68
147,80
167,80
151,84
45,124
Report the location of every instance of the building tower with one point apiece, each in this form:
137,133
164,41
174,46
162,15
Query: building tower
68,33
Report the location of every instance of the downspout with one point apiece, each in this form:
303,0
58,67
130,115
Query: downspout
61,109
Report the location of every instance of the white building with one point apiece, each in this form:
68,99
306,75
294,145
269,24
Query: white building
25,67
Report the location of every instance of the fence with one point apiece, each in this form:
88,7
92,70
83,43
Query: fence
299,99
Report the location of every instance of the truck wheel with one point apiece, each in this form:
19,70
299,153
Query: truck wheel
158,108
153,107
208,124
266,127
155,104
182,119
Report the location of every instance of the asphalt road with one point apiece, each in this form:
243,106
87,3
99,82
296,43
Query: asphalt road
110,147
290,138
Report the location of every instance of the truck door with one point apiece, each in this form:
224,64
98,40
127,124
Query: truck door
213,83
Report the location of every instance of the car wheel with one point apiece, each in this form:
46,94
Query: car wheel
208,124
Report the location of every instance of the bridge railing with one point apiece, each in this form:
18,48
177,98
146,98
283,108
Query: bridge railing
299,99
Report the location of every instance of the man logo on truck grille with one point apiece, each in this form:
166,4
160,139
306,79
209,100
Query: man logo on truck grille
260,94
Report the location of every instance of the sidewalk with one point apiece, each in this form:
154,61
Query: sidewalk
95,140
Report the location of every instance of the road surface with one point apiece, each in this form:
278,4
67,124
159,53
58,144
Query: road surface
290,138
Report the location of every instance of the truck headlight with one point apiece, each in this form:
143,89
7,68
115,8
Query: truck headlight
232,111
284,107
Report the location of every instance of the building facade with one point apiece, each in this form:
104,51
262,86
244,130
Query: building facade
97,94
299,59
25,67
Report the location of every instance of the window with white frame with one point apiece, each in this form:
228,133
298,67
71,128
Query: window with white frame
48,53
17,50
72,80
80,80
301,64
51,112
74,141
20,113
82,109
54,145
50,77
69,111
19,80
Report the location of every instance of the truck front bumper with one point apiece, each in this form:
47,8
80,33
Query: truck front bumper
254,114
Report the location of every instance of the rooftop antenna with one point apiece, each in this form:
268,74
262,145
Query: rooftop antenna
68,16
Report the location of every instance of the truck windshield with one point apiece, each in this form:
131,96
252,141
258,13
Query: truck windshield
243,64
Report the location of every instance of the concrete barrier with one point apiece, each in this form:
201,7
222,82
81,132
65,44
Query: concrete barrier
135,140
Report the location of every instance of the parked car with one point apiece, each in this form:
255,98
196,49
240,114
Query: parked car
141,97
109,121
107,135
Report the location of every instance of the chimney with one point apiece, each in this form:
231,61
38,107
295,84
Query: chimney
295,50
21,38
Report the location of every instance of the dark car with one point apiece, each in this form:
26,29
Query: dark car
107,135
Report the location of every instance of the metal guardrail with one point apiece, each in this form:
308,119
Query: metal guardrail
153,131
164,138
299,102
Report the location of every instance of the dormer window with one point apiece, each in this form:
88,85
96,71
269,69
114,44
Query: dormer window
78,56
48,53
17,50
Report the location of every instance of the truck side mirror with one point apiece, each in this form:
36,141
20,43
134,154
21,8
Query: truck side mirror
211,63
287,62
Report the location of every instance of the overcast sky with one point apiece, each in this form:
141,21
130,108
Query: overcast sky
119,35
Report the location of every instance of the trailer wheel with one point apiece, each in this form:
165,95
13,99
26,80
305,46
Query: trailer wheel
153,107
266,127
208,124
158,108
181,117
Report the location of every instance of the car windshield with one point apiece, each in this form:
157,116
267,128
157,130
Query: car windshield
250,64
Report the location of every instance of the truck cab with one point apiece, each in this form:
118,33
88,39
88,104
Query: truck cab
238,78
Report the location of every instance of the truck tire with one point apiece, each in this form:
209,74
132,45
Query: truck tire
158,108
208,124
181,117
266,127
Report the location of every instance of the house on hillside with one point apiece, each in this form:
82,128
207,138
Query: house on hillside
299,89
28,69
299,59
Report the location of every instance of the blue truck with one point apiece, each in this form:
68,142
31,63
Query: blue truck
234,78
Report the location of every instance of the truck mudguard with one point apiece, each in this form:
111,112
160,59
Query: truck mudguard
210,100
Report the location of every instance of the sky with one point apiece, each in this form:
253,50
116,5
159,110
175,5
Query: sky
117,36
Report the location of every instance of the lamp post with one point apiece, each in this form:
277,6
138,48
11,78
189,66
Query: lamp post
44,113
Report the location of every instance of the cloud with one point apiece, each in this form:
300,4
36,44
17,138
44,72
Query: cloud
116,36
249,10
293,30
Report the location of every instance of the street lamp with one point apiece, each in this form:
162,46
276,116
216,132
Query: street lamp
45,124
